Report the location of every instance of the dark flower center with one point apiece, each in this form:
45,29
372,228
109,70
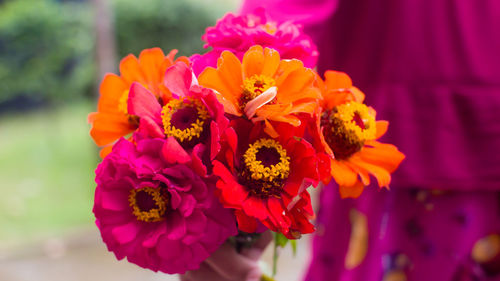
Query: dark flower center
266,168
149,204
346,128
268,156
186,119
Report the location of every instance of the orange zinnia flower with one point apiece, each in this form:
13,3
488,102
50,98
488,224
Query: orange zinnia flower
347,131
112,121
262,87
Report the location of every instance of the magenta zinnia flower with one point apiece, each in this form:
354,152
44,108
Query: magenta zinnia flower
238,33
194,116
152,208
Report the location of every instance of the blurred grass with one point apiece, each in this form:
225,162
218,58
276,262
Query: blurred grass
47,161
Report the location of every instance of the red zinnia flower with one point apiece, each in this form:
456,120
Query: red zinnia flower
265,179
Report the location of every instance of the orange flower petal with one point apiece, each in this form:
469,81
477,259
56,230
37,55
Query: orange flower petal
343,175
111,89
130,70
362,173
150,61
285,68
210,78
271,62
226,79
382,154
353,191
333,98
307,107
297,86
171,54
337,80
106,128
382,175
230,71
357,94
105,151
269,129
253,61
381,128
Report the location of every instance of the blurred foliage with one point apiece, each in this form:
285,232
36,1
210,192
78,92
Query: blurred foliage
163,23
47,47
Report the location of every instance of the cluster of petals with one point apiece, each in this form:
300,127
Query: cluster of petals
180,80
191,224
112,120
231,139
288,209
285,88
352,170
238,33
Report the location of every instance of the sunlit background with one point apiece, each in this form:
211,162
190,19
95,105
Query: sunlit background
51,63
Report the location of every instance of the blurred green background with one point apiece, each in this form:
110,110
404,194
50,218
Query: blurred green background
48,81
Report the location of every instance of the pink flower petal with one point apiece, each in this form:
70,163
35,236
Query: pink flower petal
125,233
115,200
169,249
173,152
150,128
143,103
176,226
261,100
178,79
152,237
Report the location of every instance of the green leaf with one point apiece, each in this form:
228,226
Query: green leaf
280,240
293,243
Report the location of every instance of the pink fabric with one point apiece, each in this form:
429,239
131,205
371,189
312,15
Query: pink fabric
430,67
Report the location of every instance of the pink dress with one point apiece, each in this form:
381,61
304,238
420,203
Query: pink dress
432,69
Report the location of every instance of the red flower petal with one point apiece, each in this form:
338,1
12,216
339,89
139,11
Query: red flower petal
255,207
278,213
245,223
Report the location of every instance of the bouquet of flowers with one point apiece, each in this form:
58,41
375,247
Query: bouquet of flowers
201,149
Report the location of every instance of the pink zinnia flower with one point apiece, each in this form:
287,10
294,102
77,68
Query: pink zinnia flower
152,208
238,33
194,116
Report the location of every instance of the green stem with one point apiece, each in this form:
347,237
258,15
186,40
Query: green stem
266,278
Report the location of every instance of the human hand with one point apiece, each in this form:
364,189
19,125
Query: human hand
226,264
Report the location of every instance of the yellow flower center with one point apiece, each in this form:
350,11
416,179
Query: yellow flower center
254,86
270,27
267,166
184,119
123,102
347,127
123,107
149,204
